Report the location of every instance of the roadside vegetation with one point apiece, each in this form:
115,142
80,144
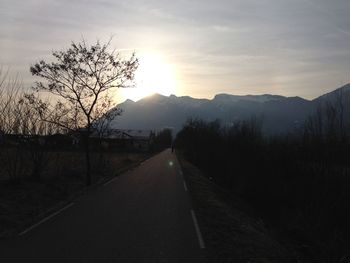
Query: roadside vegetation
52,149
297,184
231,234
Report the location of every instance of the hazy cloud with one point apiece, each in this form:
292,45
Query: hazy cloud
292,47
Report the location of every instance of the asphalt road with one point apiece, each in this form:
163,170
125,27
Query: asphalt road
143,215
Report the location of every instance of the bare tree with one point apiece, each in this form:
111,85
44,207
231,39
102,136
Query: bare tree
10,92
340,104
328,122
11,158
82,78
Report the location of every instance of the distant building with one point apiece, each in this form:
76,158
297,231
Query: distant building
113,139
124,139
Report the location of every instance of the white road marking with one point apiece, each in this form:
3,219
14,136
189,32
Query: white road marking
108,182
198,231
45,219
185,186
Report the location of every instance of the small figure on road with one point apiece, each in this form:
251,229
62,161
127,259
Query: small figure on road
172,148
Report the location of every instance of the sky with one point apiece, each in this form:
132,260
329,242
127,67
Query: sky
193,47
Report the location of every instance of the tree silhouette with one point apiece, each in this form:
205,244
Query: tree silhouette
81,78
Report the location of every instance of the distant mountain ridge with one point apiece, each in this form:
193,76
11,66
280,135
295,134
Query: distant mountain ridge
280,114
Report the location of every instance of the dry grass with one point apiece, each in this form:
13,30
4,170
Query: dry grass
23,200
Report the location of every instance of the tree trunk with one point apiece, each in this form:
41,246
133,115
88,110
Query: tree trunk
87,157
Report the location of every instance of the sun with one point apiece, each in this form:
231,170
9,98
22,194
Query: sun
154,75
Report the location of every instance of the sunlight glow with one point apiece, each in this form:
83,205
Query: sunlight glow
154,75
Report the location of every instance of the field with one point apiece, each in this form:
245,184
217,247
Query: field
25,198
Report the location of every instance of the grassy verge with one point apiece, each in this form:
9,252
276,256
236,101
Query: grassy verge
24,202
231,234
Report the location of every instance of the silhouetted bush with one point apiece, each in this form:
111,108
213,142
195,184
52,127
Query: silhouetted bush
162,140
299,183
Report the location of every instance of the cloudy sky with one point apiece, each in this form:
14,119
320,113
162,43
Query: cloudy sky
197,47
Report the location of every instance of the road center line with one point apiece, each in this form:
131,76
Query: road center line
198,231
45,219
185,186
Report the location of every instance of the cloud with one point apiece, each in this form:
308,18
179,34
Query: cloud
293,47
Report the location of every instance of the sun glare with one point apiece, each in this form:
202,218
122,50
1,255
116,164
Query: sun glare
154,75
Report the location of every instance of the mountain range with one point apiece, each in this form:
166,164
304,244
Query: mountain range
279,114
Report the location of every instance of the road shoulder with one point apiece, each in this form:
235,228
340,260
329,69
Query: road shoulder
230,234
